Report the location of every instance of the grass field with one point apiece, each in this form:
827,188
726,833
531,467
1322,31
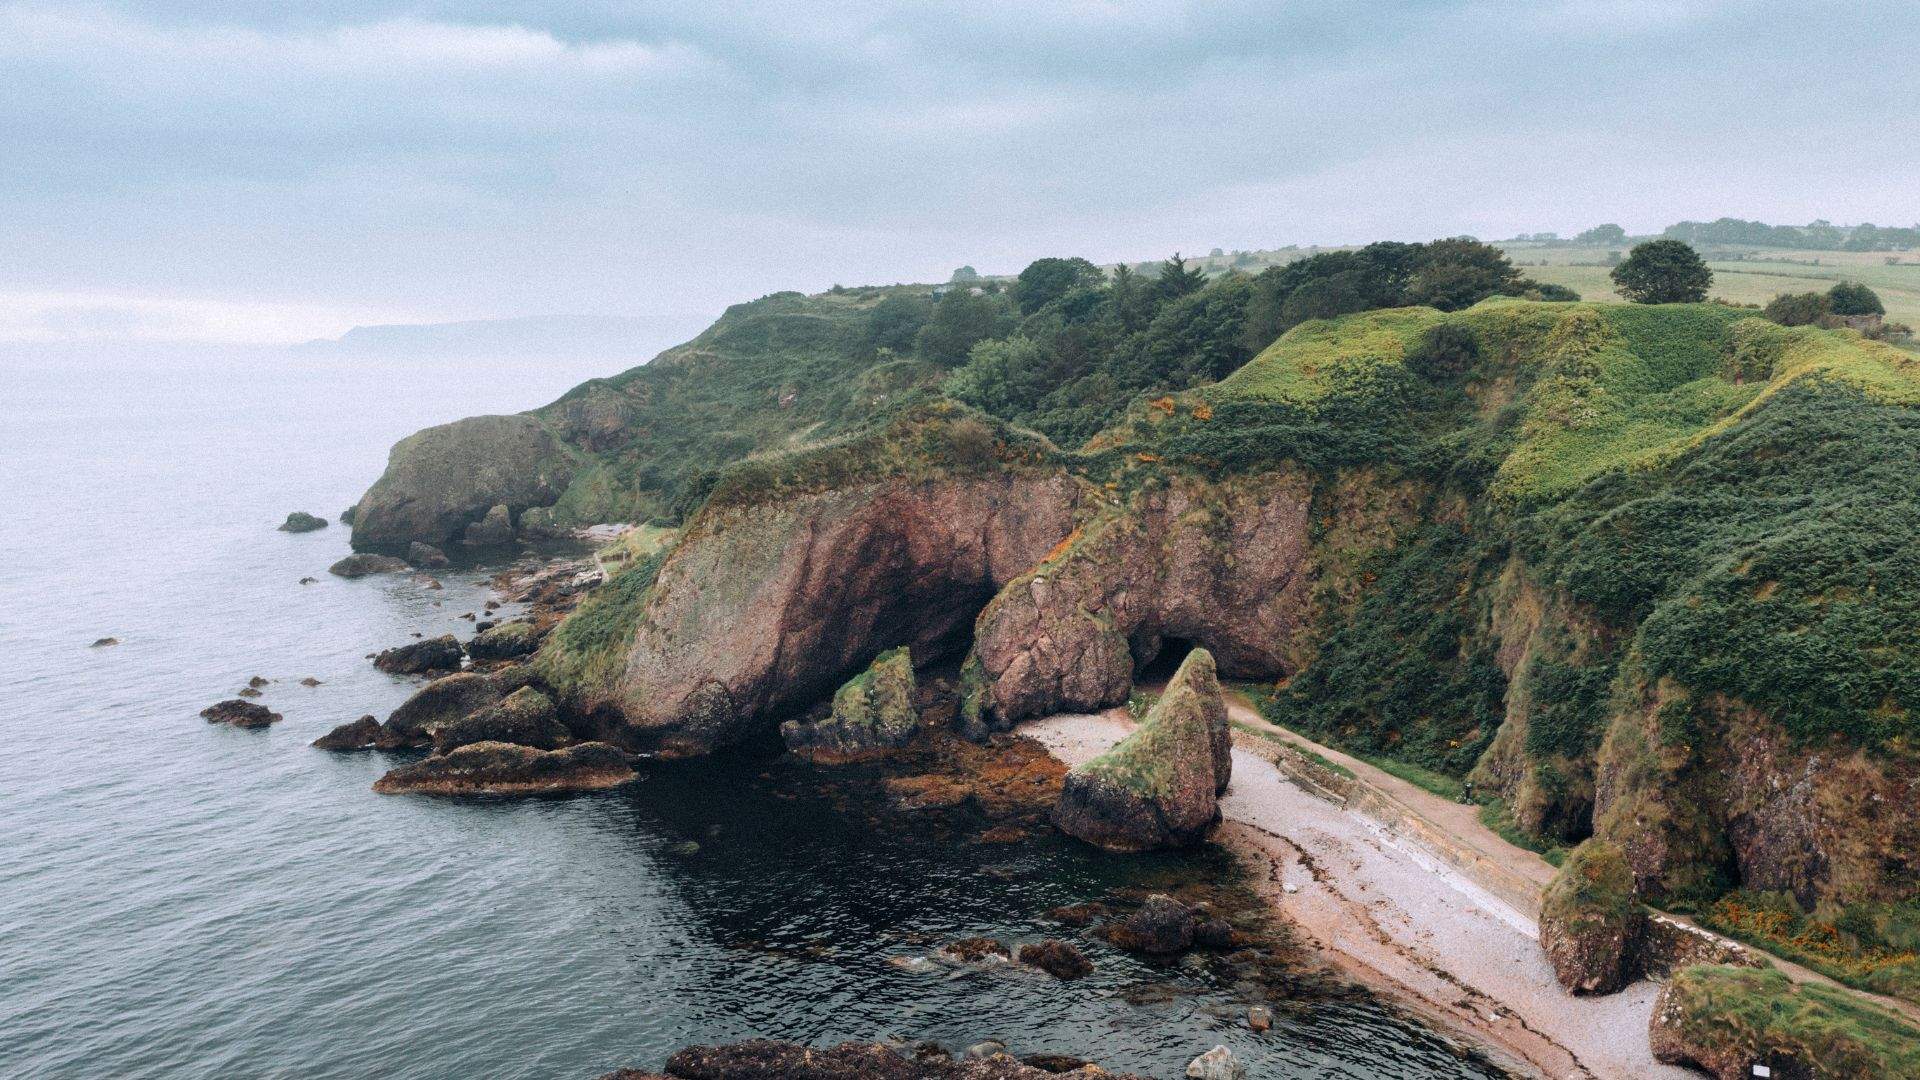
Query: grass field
1750,276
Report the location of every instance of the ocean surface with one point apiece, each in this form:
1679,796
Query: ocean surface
184,900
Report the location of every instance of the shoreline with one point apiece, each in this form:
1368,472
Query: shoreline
1361,896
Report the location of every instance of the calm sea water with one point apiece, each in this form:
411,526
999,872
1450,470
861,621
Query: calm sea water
182,900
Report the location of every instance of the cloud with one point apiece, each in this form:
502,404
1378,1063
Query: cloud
99,317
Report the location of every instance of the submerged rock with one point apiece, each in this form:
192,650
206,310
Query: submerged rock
420,657
358,734
101,643
505,641
445,700
1590,921
493,530
1160,787
975,949
357,566
1057,958
525,717
426,556
300,521
1161,926
872,713
240,714
497,768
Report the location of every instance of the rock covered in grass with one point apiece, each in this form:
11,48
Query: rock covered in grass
300,521
505,641
1590,921
525,717
1160,787
872,713
438,654
1725,1020
498,768
364,564
236,712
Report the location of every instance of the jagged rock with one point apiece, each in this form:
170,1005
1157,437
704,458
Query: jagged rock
346,516
1160,786
872,713
762,1059
300,521
439,480
493,530
361,565
497,768
1225,565
426,556
1216,1064
525,717
445,700
438,654
358,734
1160,926
505,641
240,714
1590,921
975,949
1057,958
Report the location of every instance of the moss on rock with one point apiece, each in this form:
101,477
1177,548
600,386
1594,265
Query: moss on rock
1590,921
872,713
1725,1020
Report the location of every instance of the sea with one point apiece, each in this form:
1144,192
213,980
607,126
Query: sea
185,900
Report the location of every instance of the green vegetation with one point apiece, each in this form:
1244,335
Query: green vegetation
1870,946
1496,816
1663,272
1593,888
583,656
1747,1014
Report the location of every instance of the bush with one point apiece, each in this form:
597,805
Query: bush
1853,298
1444,351
1663,272
1798,309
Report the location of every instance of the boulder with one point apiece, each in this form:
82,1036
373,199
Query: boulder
1591,923
872,713
439,480
505,641
358,566
1057,958
525,717
358,734
1160,786
440,654
426,556
240,714
300,521
1160,927
497,768
1216,1064
493,530
101,643
445,700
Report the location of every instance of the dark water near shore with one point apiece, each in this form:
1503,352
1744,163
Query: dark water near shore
181,900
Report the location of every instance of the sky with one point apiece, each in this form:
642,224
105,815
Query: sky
276,171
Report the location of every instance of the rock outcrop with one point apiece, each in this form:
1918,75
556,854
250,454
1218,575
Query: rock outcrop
1057,958
492,530
769,607
525,717
1726,1020
426,556
1160,786
440,654
497,768
872,713
358,734
363,564
300,521
239,713
440,480
444,701
1591,924
763,1059
1222,565
505,641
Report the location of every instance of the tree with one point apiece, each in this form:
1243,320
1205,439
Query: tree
1602,236
1798,309
1853,298
1046,280
1663,272
966,275
896,321
1460,272
960,321
1132,298
1176,281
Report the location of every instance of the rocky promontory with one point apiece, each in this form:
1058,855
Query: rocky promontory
441,480
1160,787
499,768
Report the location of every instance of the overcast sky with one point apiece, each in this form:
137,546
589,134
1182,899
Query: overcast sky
281,170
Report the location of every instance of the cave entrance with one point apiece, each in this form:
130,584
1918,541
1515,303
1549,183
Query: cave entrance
1155,664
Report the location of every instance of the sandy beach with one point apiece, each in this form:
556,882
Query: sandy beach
1394,914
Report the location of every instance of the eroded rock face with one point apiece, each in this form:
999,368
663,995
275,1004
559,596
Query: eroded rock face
442,653
440,480
769,607
525,717
1225,566
498,768
1160,786
1591,924
872,713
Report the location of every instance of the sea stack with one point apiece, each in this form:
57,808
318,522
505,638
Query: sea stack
1160,787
